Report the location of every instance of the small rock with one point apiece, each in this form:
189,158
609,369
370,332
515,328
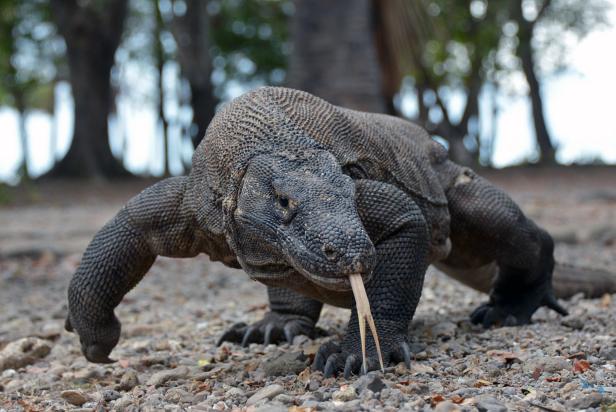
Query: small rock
446,406
178,395
310,404
90,372
265,393
74,397
589,401
489,404
345,394
284,398
111,395
124,402
23,352
550,364
573,323
271,408
371,381
129,380
9,373
285,364
314,385
234,393
159,378
419,368
444,329
608,353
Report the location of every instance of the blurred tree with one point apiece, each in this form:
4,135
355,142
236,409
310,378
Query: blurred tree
191,29
454,48
556,21
29,58
92,30
250,43
335,53
161,57
448,48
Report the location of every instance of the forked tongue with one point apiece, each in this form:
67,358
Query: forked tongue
363,315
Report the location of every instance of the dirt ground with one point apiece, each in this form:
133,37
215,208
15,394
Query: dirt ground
167,358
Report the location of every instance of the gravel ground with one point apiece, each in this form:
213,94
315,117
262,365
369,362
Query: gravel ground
167,358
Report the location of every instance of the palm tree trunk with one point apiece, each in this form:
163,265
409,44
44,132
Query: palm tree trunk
335,53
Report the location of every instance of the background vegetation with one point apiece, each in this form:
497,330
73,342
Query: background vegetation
195,54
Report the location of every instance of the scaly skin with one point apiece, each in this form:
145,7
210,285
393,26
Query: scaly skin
301,194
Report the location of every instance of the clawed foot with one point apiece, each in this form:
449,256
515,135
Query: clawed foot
332,358
273,328
514,310
97,341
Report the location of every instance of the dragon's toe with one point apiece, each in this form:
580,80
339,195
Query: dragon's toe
273,328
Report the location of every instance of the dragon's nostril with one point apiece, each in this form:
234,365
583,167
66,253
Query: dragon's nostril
330,251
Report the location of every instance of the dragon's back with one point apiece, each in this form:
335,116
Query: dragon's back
368,145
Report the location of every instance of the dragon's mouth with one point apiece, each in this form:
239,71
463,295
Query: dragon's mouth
268,271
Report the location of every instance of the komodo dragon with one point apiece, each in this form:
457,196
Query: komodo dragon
301,194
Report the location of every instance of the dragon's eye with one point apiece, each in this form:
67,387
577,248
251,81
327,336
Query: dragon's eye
283,202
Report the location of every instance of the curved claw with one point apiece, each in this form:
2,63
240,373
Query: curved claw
552,303
333,365
402,354
234,334
479,313
251,335
510,320
351,366
291,330
67,325
272,329
491,317
322,355
97,353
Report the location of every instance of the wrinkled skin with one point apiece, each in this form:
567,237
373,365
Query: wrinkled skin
301,194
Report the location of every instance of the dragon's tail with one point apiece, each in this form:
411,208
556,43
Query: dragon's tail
570,279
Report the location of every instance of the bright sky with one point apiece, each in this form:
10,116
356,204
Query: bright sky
579,107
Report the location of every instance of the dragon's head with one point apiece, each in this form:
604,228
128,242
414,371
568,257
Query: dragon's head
296,213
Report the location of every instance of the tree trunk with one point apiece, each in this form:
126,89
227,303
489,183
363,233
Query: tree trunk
546,148
191,33
92,33
335,53
525,54
159,53
24,169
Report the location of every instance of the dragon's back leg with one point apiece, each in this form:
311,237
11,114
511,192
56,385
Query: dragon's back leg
496,247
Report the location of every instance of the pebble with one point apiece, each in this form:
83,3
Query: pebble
267,392
159,378
489,404
584,402
370,381
345,393
111,395
608,353
235,393
22,352
74,397
284,398
129,380
446,406
290,363
550,364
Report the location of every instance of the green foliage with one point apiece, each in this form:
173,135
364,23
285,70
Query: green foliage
30,54
250,40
